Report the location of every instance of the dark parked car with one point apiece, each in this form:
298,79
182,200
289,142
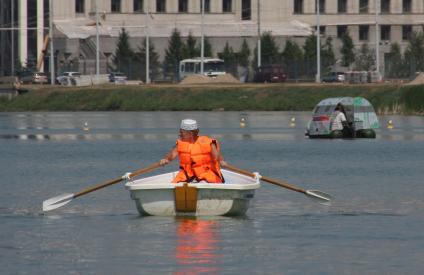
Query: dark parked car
33,77
334,77
117,77
270,73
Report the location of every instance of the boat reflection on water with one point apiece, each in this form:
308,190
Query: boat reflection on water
197,246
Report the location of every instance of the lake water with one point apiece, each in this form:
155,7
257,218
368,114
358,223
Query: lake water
375,225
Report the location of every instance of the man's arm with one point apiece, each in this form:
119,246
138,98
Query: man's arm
216,154
169,157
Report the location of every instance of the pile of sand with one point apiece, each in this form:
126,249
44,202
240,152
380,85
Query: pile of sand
202,79
418,80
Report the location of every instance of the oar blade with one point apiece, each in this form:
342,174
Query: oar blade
318,196
57,201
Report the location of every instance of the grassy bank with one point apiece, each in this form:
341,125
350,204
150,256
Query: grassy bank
272,97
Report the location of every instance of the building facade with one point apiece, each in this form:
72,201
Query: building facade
24,25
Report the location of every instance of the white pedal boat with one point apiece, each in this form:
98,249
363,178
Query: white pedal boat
158,196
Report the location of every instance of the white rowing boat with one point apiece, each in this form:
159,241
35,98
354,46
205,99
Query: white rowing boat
158,196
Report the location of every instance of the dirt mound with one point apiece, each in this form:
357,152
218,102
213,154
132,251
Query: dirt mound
418,80
202,79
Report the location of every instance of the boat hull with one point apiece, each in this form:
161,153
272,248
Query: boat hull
157,196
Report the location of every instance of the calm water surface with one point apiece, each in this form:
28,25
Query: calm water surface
375,225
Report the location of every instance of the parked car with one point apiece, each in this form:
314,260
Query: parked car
117,77
270,73
33,77
64,77
334,77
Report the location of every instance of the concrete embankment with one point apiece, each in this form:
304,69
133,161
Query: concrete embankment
386,99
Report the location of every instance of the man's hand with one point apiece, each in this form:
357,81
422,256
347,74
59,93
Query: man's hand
126,176
223,163
163,162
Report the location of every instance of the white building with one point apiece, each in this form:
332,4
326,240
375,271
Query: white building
225,20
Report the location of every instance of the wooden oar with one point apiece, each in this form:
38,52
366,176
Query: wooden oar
315,195
63,199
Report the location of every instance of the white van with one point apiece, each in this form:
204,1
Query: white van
212,67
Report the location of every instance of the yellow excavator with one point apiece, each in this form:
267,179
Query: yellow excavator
40,60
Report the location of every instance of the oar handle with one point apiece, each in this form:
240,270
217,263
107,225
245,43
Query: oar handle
110,182
270,180
145,170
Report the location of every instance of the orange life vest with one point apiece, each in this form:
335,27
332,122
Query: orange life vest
197,162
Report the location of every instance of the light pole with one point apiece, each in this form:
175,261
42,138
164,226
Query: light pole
97,44
318,76
52,74
259,33
202,42
13,37
377,41
147,44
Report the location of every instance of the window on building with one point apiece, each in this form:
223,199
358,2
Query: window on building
385,6
138,5
160,5
115,6
298,7
406,32
79,6
227,6
182,5
321,6
341,30
385,32
363,6
321,30
407,6
341,6
363,32
246,10
207,6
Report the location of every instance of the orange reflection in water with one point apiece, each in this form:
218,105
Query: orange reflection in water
196,250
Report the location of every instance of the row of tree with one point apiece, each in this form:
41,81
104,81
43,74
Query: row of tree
131,62
299,62
400,65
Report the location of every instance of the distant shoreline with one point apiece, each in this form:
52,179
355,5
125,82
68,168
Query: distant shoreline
386,99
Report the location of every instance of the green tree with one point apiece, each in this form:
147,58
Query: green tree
327,55
190,49
230,59
365,59
207,48
269,51
414,53
31,63
310,55
154,64
244,54
292,59
347,50
394,62
173,54
124,55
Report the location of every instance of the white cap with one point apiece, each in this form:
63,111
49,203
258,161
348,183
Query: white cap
188,124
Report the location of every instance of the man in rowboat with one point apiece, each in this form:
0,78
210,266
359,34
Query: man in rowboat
200,156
